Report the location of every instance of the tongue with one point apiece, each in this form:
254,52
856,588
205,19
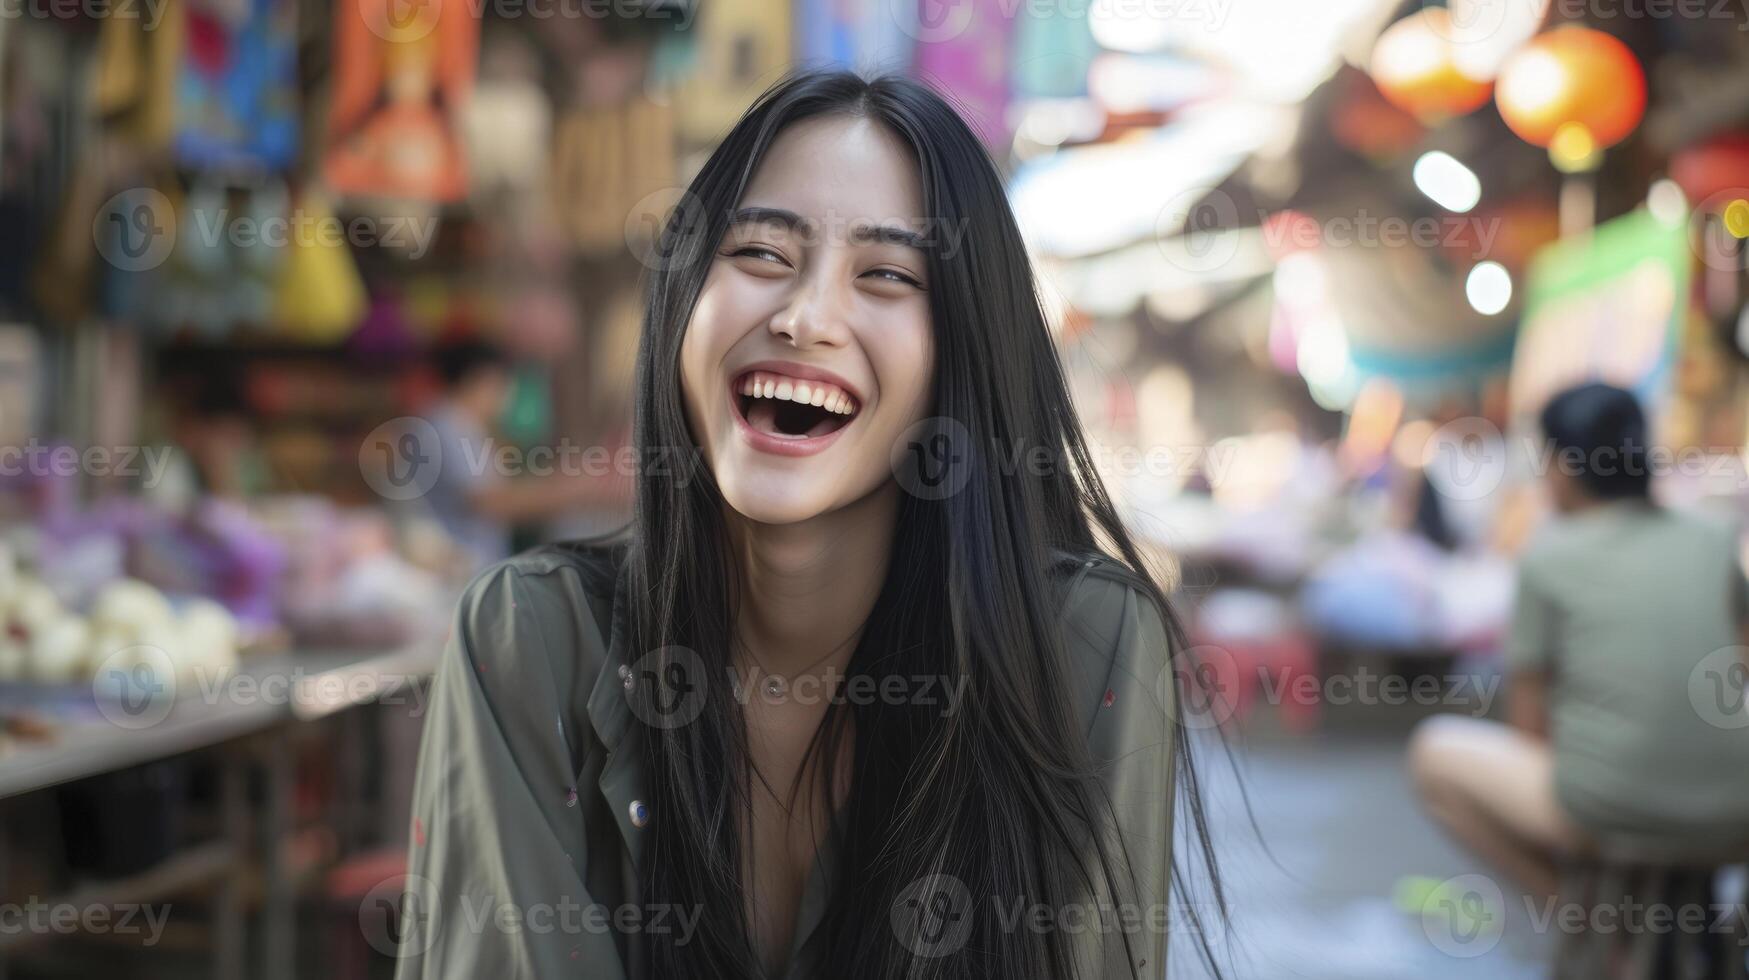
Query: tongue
827,423
762,415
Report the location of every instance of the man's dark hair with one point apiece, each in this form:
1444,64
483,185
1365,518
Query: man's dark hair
1599,436
459,359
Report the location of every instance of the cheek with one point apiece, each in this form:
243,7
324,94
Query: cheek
693,378
709,335
905,359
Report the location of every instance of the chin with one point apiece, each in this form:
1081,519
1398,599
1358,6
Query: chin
776,498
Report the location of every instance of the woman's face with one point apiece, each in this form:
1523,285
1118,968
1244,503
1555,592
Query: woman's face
811,350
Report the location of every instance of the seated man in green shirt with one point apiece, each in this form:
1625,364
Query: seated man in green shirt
1625,611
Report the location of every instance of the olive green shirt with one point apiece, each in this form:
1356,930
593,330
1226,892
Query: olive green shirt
528,806
1633,612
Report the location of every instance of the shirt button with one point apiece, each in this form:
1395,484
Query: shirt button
625,676
639,812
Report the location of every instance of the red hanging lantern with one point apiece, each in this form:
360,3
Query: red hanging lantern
1574,90
1415,65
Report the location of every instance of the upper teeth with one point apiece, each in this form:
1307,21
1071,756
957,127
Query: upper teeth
761,384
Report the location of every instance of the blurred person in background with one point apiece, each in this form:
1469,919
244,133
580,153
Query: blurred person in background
219,455
1618,603
475,501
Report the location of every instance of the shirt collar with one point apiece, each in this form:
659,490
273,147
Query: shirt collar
622,781
609,712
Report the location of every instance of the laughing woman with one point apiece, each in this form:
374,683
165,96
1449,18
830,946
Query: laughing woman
873,685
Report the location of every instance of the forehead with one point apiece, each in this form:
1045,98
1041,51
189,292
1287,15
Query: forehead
840,169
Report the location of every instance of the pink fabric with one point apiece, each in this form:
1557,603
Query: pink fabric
970,67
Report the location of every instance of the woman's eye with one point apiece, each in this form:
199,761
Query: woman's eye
758,251
895,275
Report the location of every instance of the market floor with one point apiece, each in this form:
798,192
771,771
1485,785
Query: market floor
1340,830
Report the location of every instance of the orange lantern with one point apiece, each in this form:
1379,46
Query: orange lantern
1414,64
1574,90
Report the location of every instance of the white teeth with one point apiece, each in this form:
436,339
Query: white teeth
818,393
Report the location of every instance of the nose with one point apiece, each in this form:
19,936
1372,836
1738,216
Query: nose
815,315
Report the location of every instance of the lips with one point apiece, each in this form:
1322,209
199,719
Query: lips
791,410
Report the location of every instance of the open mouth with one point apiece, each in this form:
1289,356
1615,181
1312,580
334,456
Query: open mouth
791,408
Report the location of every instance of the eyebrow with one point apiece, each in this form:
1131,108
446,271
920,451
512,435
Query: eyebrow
884,234
769,216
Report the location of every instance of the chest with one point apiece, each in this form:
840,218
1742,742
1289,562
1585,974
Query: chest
788,819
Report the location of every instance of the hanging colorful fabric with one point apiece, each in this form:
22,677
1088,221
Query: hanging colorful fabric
605,161
384,334
237,99
1053,49
508,121
863,35
320,296
135,231
134,90
259,256
964,50
742,47
402,74
200,271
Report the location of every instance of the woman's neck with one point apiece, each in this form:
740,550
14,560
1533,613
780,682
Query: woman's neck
807,588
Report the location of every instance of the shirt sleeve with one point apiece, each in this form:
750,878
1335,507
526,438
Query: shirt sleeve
1132,741
494,885
1530,640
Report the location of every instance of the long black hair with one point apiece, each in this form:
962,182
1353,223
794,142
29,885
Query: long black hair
1001,795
